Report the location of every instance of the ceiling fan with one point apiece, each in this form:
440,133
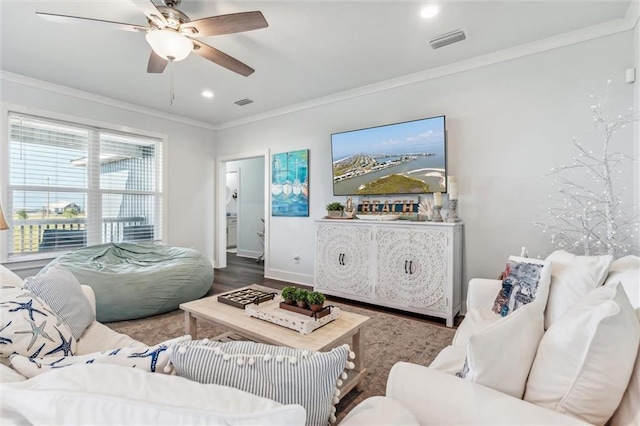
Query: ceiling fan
172,35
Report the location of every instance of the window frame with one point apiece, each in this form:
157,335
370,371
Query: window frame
97,126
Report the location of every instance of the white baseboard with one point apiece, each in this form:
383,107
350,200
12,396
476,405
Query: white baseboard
248,253
292,277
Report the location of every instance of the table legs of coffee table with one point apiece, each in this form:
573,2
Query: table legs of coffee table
190,325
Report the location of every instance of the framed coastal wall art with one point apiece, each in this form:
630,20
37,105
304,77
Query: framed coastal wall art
290,183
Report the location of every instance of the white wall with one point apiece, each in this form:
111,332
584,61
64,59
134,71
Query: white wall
636,106
250,204
508,123
188,153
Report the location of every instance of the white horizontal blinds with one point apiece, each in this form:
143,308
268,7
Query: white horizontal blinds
47,188
131,187
73,185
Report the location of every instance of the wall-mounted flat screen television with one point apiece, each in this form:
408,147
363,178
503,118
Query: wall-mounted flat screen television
400,158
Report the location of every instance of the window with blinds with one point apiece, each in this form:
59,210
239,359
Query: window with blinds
72,185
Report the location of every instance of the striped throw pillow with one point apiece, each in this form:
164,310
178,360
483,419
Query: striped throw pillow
61,290
283,374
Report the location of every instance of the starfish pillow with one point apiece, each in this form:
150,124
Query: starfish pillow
152,359
29,327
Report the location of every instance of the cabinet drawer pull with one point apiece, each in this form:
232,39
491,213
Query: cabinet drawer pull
405,266
411,269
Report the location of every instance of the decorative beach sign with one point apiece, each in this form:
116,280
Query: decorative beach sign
290,183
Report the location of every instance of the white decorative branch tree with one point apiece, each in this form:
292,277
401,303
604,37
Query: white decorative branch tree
591,217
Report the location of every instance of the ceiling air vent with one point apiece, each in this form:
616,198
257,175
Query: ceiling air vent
447,39
243,102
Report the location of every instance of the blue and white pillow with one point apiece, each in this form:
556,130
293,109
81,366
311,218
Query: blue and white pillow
61,290
526,280
29,327
154,359
283,374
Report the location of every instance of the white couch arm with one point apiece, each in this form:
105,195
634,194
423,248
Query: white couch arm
482,293
437,398
89,294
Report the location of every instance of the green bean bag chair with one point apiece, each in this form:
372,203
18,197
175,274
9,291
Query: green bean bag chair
137,280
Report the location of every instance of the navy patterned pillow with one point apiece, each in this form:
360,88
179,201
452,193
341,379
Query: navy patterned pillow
153,359
283,374
29,327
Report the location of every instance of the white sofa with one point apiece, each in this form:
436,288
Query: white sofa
110,394
432,395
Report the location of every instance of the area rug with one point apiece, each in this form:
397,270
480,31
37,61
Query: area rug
388,338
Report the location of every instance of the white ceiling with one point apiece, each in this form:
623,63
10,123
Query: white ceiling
311,49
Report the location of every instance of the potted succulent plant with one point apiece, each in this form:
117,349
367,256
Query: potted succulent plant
315,300
334,209
289,294
301,297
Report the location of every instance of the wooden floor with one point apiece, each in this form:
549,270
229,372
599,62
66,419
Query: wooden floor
243,271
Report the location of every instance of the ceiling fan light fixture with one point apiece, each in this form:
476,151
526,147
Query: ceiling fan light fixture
169,44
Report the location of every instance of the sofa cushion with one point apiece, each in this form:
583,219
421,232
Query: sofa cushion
475,320
628,412
92,394
9,375
450,360
8,278
153,359
98,337
29,327
571,278
379,410
500,356
626,270
585,359
61,290
286,375
525,280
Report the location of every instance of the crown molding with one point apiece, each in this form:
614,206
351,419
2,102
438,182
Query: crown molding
67,91
631,19
562,40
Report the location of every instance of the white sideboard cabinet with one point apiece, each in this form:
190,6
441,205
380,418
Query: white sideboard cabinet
412,266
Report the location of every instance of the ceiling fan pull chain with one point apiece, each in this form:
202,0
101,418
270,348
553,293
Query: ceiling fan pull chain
172,95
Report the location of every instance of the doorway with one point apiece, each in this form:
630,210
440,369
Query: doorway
249,202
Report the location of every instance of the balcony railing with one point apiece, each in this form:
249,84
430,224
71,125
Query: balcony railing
38,235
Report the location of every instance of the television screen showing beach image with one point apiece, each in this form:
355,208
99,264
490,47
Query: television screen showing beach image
402,158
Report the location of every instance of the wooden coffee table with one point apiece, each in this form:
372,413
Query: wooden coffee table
346,329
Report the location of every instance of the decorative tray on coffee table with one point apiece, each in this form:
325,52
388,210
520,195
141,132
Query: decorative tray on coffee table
244,297
304,322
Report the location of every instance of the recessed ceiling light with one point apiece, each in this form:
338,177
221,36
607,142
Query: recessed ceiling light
430,11
207,94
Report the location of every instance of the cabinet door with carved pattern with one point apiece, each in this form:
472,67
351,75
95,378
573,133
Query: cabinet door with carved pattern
412,267
342,259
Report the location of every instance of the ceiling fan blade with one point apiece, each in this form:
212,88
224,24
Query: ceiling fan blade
152,12
220,58
226,24
156,64
89,21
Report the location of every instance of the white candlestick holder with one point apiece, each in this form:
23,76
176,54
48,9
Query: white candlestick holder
452,213
437,217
